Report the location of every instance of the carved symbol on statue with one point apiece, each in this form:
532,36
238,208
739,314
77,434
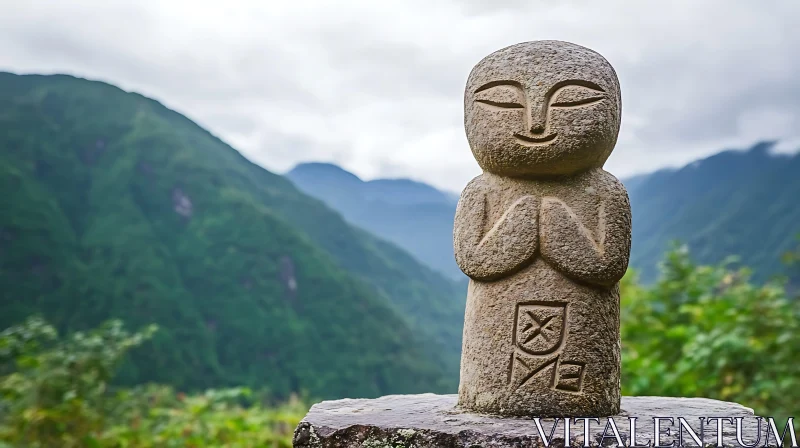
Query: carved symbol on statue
570,376
539,331
539,328
565,376
530,368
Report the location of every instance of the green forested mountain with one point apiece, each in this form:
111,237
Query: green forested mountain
115,206
741,203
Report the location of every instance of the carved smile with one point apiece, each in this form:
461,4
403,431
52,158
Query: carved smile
526,140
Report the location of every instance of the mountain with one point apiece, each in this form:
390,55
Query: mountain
741,203
413,215
116,207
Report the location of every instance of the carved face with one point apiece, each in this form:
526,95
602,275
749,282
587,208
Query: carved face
542,108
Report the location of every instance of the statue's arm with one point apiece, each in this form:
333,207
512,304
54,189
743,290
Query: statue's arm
507,247
598,256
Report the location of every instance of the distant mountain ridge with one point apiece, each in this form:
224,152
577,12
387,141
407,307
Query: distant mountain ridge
398,191
744,203
739,203
411,214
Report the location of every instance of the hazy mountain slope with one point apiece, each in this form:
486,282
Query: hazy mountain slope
115,206
744,203
411,214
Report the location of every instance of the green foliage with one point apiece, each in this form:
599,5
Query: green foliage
161,418
708,331
117,207
56,393
792,259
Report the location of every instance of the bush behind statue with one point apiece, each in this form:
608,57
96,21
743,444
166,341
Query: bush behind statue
708,331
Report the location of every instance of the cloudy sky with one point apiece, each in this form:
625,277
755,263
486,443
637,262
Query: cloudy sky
377,86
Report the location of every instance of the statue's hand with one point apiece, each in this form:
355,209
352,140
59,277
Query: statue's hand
597,256
507,247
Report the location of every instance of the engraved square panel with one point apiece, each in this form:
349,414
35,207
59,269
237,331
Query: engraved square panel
539,328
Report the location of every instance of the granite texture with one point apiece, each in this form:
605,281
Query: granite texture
429,420
544,234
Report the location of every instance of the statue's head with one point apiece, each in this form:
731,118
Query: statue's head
542,108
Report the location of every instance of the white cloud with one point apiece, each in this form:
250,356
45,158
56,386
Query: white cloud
377,86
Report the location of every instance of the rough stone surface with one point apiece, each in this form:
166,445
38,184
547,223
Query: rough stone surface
544,234
428,420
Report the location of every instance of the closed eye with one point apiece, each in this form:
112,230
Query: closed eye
502,105
580,102
576,93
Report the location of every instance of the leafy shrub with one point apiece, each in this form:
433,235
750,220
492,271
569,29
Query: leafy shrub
56,393
707,331
215,418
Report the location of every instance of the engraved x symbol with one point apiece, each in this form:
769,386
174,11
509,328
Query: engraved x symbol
541,325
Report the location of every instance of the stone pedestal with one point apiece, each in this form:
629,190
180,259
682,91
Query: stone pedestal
429,420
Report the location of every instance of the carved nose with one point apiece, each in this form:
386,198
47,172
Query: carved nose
537,119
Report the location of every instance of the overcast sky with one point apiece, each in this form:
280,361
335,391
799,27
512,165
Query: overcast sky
377,86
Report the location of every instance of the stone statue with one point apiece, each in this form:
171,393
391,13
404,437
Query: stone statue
544,234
